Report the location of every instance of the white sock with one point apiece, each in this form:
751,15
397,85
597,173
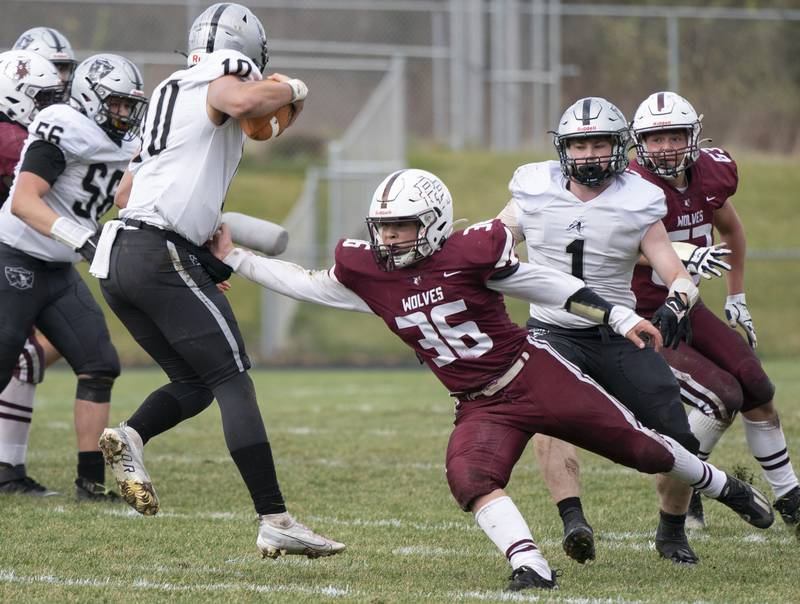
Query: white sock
708,431
504,525
768,445
16,409
699,474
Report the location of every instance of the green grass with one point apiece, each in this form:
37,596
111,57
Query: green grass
360,456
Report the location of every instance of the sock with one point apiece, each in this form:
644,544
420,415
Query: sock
671,525
257,468
768,445
569,509
16,409
504,525
701,475
91,466
707,430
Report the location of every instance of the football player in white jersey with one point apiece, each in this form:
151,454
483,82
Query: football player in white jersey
18,396
159,278
71,164
585,215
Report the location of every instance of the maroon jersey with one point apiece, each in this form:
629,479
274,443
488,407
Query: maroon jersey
441,306
690,215
12,138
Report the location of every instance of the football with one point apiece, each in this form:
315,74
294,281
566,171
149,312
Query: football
268,126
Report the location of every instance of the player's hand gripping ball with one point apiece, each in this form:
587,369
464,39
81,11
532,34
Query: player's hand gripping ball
268,126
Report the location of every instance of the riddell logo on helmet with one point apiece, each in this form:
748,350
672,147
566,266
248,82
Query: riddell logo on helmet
196,58
586,128
664,123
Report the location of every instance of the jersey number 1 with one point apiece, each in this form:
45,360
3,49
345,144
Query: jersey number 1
575,249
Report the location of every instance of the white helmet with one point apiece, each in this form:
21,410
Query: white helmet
410,196
28,83
104,77
228,25
53,46
592,117
667,111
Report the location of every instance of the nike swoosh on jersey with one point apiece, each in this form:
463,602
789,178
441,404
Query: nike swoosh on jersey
446,274
711,198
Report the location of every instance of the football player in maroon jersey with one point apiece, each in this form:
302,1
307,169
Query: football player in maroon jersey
442,293
718,372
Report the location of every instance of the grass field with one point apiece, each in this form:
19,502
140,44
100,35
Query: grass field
360,457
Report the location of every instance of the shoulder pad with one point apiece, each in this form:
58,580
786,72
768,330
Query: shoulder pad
221,63
641,198
532,179
353,257
487,244
719,172
67,128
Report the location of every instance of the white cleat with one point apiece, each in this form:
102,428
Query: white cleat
280,534
122,450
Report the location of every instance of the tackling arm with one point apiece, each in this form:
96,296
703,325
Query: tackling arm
295,281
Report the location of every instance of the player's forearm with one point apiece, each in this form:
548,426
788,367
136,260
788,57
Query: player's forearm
31,209
538,284
737,243
294,281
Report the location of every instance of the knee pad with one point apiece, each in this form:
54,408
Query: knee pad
467,482
95,388
758,388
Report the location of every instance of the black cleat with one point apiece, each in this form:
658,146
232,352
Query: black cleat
14,479
86,490
525,577
747,501
672,544
695,518
788,507
578,542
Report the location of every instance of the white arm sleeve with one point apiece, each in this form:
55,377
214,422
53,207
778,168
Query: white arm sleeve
295,281
538,284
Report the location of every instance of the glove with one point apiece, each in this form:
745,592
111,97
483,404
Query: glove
88,249
705,261
736,312
672,319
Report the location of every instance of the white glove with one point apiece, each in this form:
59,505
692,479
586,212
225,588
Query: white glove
705,261
736,312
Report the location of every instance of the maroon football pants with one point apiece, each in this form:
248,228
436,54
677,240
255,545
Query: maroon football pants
549,396
718,373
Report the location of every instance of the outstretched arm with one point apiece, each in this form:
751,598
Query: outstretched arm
286,278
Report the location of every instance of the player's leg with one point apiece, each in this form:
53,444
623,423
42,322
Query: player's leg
22,290
714,396
573,407
74,323
558,460
480,455
727,349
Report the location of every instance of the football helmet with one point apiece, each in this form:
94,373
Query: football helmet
410,196
53,46
592,117
28,83
102,80
667,111
228,25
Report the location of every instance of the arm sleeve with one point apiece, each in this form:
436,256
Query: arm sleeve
295,281
538,284
508,216
45,160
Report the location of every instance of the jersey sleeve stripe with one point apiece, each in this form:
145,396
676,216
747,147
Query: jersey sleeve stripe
507,257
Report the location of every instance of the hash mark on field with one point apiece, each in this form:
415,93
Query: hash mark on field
9,576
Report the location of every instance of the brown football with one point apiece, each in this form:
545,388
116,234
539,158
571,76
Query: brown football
267,126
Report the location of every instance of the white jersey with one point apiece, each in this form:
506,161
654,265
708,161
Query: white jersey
84,191
187,162
597,241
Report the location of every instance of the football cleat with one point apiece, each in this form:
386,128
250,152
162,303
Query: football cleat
14,479
86,490
280,534
578,542
788,507
122,450
672,544
695,518
525,577
747,501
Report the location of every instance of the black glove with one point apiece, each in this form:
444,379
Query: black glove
672,319
88,249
